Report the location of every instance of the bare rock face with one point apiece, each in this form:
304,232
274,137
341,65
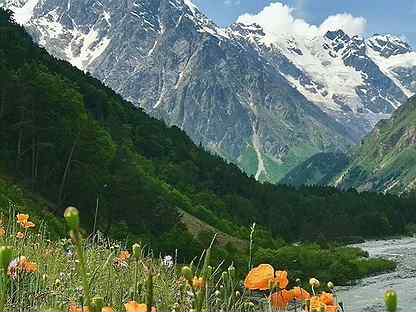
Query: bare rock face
251,102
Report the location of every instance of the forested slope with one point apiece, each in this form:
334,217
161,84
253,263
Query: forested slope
66,136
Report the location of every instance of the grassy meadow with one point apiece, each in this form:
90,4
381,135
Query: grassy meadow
94,273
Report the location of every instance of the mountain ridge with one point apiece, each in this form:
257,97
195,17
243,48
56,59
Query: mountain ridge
255,103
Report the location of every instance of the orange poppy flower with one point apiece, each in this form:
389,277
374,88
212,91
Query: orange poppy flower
2,232
20,235
317,305
327,298
281,299
281,279
259,277
263,277
331,308
300,294
198,283
107,309
28,225
133,306
22,218
124,255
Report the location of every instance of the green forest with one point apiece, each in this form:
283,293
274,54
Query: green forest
67,137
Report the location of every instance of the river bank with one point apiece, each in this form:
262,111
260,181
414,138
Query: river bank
367,294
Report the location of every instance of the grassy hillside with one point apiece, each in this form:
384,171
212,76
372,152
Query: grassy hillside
14,199
320,169
386,159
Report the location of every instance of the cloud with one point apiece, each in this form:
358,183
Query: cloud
278,21
348,23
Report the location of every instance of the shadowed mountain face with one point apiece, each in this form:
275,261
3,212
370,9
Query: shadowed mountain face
386,159
257,104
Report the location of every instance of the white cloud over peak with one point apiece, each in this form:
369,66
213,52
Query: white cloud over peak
278,21
348,23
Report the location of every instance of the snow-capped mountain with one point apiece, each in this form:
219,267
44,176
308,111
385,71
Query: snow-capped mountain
264,105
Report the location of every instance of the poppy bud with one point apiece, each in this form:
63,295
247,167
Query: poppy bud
231,271
390,298
71,216
5,257
187,273
209,271
97,304
224,276
137,250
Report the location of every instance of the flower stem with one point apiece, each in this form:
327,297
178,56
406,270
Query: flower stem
77,240
136,275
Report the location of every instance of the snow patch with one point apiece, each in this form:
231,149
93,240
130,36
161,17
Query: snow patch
387,66
260,163
24,14
92,48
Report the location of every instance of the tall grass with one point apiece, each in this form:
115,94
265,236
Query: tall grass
87,273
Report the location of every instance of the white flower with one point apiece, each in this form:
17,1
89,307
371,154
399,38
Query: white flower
167,261
314,282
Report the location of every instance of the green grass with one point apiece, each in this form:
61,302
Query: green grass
57,284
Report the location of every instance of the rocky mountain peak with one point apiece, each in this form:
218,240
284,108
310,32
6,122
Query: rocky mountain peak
389,45
248,30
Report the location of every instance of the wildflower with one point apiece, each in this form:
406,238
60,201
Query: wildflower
2,232
20,235
259,277
23,220
121,261
187,273
314,283
71,216
317,305
330,285
28,225
327,298
281,279
281,299
332,308
264,277
21,265
137,251
167,261
133,306
390,298
300,294
198,283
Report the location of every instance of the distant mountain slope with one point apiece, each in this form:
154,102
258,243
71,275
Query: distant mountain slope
386,159
265,106
73,141
320,169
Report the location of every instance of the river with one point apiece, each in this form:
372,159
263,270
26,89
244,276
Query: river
367,295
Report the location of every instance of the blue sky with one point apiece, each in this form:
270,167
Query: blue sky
383,16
